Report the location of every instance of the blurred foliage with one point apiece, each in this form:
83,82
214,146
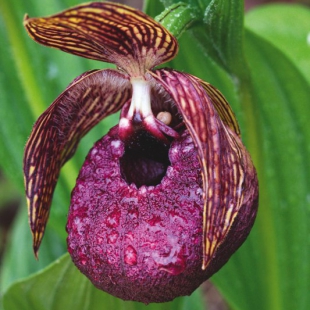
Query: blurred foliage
262,69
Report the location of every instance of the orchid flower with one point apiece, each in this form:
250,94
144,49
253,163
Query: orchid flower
170,193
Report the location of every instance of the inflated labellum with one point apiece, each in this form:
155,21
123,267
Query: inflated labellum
170,193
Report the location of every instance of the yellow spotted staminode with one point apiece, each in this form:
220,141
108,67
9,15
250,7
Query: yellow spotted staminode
170,193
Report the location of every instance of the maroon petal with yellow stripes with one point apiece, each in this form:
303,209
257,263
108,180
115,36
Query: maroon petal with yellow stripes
56,134
108,32
229,178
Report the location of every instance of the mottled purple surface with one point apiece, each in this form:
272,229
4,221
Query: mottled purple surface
143,244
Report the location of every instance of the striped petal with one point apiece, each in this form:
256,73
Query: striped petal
56,134
108,32
229,177
221,106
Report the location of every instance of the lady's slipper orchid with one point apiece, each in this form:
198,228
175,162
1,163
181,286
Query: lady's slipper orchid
170,193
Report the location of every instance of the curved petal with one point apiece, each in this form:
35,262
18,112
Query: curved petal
222,106
56,134
227,170
108,32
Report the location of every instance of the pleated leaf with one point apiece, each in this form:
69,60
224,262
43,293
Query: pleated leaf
286,27
275,270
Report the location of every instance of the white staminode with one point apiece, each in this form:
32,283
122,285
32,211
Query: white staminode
140,110
141,98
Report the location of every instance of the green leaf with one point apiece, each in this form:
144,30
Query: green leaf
224,29
62,286
19,246
216,24
178,17
32,76
271,271
286,27
8,193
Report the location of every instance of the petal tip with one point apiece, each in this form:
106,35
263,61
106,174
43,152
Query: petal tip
26,18
36,250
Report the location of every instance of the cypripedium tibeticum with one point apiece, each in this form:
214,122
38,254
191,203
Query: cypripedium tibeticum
170,193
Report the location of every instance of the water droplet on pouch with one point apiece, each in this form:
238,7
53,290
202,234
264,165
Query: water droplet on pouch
155,220
99,171
173,268
133,214
111,260
113,218
117,148
187,149
174,264
113,236
130,256
94,151
129,236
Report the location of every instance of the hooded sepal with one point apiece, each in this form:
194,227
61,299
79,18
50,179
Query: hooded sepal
107,32
57,132
229,177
